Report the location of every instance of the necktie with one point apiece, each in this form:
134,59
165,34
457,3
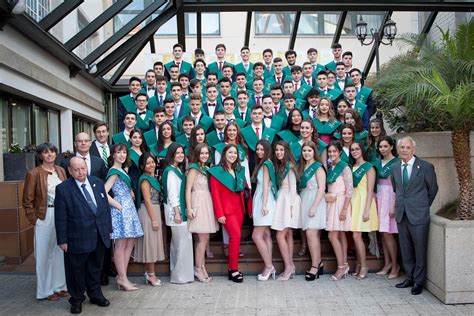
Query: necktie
85,160
220,65
358,89
179,65
195,120
258,100
314,113
269,68
296,87
405,177
279,80
257,132
89,198
308,82
104,154
221,136
161,99
242,115
176,111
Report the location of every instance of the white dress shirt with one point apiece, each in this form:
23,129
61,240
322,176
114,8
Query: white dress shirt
410,164
88,188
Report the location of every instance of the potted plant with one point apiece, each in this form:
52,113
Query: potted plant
431,88
18,161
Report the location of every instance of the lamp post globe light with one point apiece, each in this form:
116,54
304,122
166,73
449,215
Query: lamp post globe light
389,31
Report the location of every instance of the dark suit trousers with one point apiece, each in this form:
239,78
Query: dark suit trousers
83,272
413,245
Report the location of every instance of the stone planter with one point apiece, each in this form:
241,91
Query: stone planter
15,166
451,260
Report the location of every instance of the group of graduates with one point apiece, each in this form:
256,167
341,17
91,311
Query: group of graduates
290,146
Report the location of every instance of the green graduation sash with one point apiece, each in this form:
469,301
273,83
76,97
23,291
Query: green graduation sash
144,124
205,122
120,138
128,103
364,94
359,106
359,173
202,170
251,138
122,175
326,128
134,156
302,90
271,173
308,174
285,173
385,171
153,182
182,189
236,184
288,136
361,136
335,171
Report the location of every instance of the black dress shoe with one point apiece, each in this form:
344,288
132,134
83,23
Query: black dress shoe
104,280
417,289
100,301
404,284
76,309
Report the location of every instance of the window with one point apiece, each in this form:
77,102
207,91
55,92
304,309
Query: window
38,9
20,123
4,123
40,119
210,25
81,124
312,23
86,47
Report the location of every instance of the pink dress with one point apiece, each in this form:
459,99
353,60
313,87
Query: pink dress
343,188
385,201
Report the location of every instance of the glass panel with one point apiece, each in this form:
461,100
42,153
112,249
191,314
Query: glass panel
210,24
309,23
38,9
41,125
373,20
53,128
4,123
169,28
274,23
21,127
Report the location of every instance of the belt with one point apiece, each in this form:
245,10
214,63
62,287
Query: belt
50,205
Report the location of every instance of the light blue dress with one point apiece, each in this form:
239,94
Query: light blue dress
125,223
308,195
257,205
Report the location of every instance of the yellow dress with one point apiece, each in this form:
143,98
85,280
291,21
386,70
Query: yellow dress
359,196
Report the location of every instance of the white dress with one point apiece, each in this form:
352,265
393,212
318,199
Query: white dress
288,204
181,245
257,205
308,195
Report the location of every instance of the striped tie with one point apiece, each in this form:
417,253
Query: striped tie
104,154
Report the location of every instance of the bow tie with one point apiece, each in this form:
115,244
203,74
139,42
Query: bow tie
141,113
267,116
151,88
211,104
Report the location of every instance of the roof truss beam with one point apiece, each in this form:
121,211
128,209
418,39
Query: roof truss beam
61,11
340,26
296,25
375,46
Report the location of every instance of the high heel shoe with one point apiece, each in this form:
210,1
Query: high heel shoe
336,277
362,275
394,275
263,277
356,271
285,277
199,274
125,287
313,276
205,273
236,276
385,270
149,282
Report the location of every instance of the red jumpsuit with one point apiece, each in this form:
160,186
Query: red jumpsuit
232,206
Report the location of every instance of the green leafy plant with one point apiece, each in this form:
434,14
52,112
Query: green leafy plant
15,148
431,88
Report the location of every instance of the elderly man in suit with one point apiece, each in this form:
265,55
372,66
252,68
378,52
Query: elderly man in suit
95,165
83,227
415,185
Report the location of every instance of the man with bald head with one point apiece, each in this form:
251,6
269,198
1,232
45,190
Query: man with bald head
83,227
415,185
95,165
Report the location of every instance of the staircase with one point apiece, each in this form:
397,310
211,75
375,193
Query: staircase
252,264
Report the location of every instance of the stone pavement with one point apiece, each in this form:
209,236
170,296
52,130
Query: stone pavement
373,296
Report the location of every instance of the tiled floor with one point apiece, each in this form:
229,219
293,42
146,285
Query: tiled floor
373,296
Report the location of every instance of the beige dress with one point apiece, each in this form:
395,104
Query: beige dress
288,205
149,248
205,221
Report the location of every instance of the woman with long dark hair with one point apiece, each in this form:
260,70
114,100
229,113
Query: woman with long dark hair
264,206
174,187
227,183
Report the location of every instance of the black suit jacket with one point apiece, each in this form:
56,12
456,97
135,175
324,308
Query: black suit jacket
94,151
98,168
76,224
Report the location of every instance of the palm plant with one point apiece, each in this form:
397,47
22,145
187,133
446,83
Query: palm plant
433,83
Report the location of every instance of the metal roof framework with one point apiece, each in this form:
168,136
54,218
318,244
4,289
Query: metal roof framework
161,11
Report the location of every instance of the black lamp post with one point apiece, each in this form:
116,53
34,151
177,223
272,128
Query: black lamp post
389,32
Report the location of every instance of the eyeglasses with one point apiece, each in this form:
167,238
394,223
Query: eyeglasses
83,140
